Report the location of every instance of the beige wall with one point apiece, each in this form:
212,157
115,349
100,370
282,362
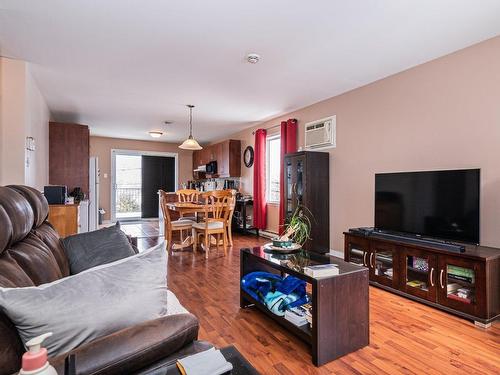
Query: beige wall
102,146
23,113
12,122
444,114
37,117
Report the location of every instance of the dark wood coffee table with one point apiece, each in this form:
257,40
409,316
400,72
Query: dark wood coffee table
340,322
240,365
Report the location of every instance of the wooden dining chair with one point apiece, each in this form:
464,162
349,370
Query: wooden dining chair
188,195
229,230
230,218
180,225
217,207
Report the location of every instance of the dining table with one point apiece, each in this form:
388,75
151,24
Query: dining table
183,209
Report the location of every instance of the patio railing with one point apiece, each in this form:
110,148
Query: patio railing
128,199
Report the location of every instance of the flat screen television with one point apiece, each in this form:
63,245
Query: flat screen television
436,204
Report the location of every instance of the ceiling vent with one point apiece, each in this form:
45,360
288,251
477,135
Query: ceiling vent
321,133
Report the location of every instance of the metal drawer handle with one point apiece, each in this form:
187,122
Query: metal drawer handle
441,278
431,276
364,259
371,259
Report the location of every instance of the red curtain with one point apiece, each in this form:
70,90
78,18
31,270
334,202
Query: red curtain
259,180
288,145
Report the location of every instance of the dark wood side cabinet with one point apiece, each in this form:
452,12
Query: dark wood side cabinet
466,284
69,155
306,176
227,154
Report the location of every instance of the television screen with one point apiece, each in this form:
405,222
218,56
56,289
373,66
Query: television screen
437,204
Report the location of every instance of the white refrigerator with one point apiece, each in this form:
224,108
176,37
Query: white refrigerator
93,193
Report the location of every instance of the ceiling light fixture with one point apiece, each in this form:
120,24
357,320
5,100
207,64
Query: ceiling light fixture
155,134
190,143
253,58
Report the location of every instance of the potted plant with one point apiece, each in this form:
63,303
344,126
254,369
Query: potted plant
297,229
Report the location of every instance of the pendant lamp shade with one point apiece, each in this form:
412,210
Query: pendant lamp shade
190,143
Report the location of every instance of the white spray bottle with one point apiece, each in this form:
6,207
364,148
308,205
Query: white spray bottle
35,359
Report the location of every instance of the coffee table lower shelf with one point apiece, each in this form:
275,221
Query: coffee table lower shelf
304,332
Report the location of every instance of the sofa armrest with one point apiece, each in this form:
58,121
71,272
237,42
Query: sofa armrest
133,348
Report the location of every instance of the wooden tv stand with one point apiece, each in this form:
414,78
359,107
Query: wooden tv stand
466,284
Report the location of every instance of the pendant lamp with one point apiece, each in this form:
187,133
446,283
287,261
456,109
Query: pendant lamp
190,143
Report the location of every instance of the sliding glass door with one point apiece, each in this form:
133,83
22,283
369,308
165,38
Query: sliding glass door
128,187
136,178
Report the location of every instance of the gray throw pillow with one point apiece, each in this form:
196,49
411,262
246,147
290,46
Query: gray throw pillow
87,250
91,304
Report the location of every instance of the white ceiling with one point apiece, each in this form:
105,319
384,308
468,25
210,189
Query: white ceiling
125,66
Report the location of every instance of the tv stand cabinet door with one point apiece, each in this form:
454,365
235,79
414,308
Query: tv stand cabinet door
357,250
462,285
419,273
383,263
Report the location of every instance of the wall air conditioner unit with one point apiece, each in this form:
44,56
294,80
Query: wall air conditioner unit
321,133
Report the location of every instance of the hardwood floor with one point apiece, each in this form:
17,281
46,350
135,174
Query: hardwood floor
405,337
145,231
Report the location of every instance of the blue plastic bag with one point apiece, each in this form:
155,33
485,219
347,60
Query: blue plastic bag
276,293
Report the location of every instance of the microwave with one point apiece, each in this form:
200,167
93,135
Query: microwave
212,167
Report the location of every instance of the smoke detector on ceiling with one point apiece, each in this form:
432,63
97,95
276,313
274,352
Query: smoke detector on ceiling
253,58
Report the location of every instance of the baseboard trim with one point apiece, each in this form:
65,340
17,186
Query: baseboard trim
337,253
270,235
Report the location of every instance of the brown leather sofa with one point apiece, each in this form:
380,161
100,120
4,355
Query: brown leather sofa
31,254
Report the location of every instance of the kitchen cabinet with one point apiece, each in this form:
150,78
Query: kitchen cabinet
227,154
211,153
196,159
222,158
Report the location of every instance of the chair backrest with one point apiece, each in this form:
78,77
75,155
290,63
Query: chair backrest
187,195
218,205
164,208
232,206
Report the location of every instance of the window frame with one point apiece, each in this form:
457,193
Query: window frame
269,138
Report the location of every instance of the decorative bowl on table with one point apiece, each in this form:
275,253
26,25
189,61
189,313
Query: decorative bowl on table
292,248
282,243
